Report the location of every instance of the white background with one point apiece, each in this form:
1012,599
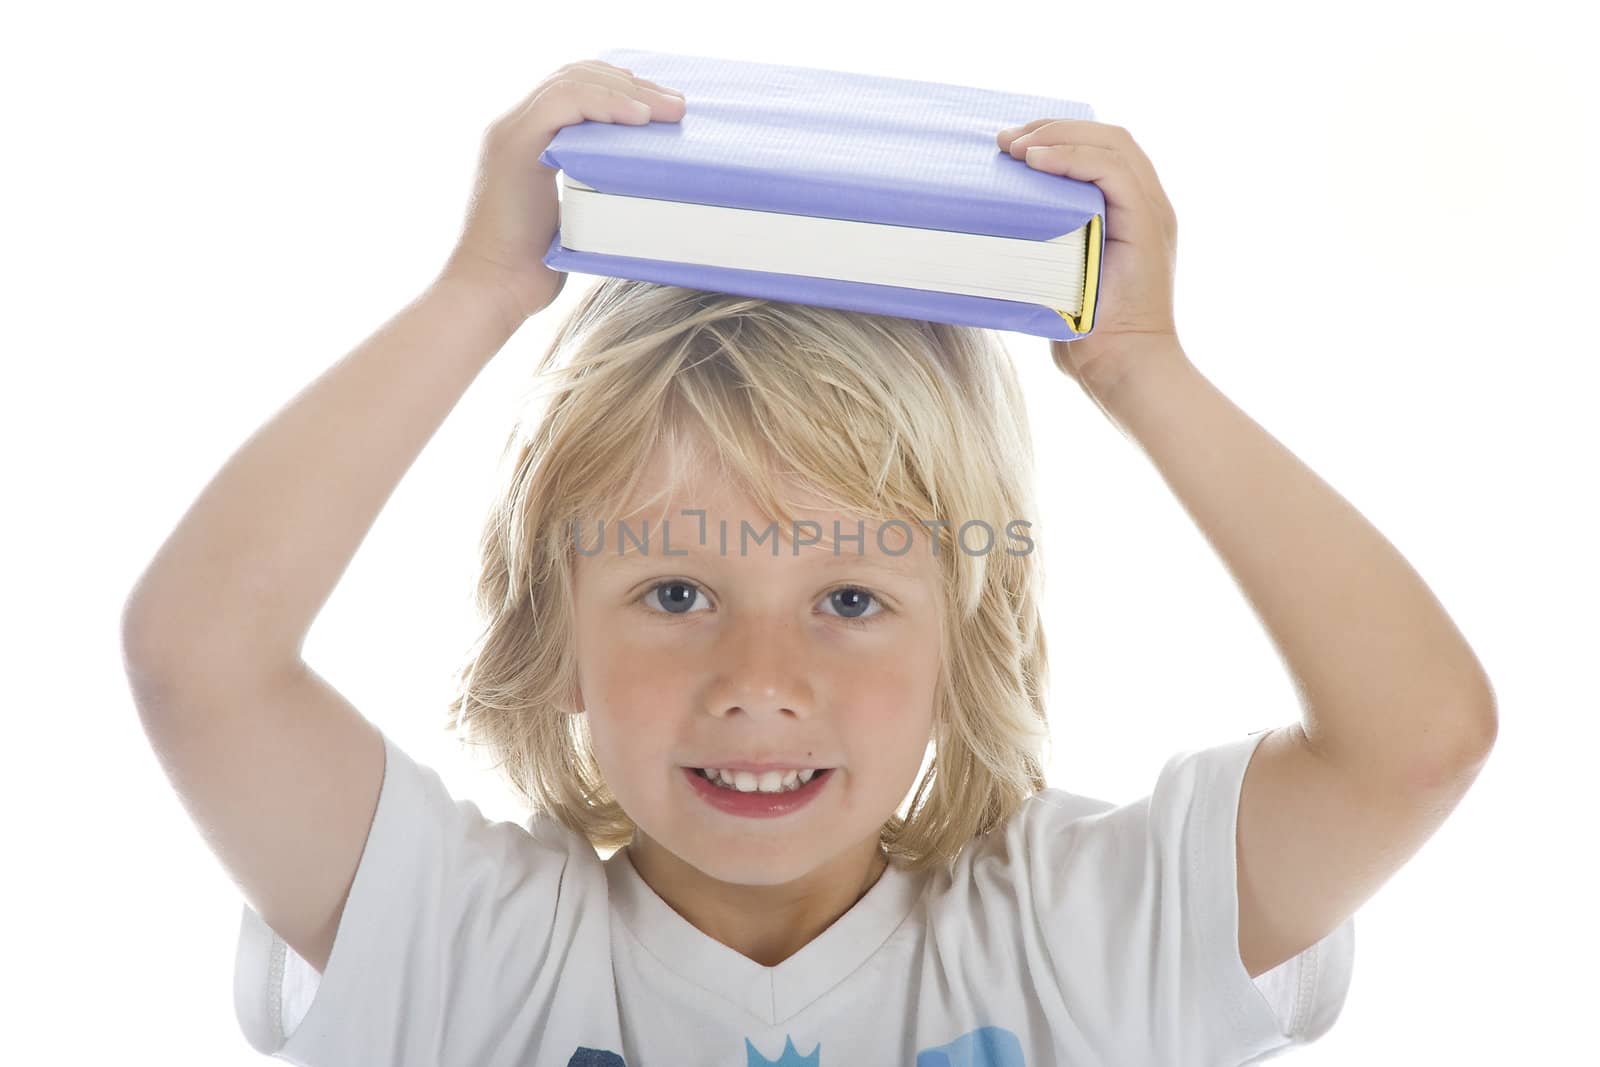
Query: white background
1386,213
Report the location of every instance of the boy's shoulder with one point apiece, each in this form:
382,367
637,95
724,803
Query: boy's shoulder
1064,804
1041,827
1052,809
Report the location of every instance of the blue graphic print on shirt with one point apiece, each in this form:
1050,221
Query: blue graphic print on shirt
987,1046
789,1057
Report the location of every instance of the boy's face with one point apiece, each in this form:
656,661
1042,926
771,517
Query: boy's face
723,656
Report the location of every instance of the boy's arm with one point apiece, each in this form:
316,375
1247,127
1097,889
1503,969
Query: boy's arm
1397,714
280,772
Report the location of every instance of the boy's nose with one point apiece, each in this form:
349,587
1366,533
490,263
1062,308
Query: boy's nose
765,669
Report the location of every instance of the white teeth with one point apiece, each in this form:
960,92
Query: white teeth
766,782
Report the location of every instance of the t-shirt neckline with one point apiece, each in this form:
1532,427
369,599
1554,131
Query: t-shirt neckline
772,994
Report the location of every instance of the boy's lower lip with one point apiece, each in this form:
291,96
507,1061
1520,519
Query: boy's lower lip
756,805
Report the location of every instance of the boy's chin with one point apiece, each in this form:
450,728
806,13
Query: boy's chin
772,865
781,859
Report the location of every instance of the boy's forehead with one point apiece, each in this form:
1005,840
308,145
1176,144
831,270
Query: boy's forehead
686,526
687,529
710,516
825,555
680,481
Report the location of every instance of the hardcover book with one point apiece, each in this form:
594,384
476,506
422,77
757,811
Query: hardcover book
845,190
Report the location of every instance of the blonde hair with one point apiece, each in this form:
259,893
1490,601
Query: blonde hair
884,417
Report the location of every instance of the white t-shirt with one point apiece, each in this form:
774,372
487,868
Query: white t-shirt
1079,933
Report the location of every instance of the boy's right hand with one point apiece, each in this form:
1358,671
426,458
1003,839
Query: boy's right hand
514,211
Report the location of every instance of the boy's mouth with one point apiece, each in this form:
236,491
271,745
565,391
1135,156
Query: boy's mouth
752,801
787,781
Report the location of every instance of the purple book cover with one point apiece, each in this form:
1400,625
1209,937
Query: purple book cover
837,145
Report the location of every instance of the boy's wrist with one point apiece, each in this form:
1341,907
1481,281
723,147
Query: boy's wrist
483,289
1150,369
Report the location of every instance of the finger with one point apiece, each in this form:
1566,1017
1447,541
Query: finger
561,103
602,99
1005,137
595,72
662,89
569,101
1084,131
1130,214
622,76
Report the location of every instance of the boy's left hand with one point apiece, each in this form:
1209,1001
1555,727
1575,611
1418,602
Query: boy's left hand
1134,318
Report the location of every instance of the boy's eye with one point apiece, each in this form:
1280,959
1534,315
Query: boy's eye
677,597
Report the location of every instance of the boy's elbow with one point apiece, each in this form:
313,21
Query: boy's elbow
1466,750
149,643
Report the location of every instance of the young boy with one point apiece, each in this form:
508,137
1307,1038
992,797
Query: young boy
744,726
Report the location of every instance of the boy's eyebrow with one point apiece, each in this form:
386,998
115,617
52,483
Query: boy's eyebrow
634,558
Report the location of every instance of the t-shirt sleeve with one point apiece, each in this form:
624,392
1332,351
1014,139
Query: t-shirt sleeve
452,937
1141,900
